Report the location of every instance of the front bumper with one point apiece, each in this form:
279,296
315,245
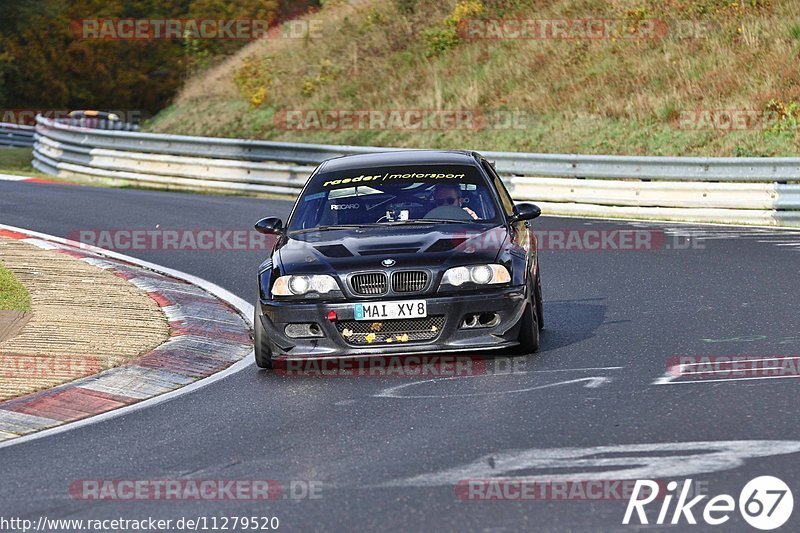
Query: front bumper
508,303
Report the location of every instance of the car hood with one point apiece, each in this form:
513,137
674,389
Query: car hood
349,250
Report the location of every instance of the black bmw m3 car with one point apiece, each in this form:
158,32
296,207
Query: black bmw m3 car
400,252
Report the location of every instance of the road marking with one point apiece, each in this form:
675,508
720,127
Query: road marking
392,392
728,371
749,338
753,338
676,372
668,380
732,361
572,369
10,177
643,461
244,308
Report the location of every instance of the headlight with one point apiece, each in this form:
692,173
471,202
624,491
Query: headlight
482,274
300,285
456,276
478,274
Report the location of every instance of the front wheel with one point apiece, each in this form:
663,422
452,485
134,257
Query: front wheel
262,349
529,332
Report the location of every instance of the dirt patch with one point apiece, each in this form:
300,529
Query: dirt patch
83,320
11,322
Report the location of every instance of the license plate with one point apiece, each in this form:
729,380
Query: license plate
391,310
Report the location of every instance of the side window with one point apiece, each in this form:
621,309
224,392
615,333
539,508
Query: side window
505,198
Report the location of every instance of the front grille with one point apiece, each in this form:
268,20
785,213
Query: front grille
372,284
409,281
362,333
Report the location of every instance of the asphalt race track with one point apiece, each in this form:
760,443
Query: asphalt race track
389,451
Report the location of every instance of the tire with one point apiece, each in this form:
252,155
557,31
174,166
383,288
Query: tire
529,330
261,344
539,301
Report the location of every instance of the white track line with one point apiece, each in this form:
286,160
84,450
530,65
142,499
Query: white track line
673,375
571,369
11,177
727,371
723,380
735,361
242,306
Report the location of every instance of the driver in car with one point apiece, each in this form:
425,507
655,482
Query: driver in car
449,195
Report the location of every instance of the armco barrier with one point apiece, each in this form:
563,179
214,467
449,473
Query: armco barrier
762,191
16,136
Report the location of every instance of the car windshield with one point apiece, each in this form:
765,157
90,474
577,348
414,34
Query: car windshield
398,195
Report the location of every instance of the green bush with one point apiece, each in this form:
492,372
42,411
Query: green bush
444,36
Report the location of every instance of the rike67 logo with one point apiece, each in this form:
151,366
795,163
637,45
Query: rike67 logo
765,503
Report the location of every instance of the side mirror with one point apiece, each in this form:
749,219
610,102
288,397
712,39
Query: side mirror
269,226
525,211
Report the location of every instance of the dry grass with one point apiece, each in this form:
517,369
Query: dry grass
83,320
591,96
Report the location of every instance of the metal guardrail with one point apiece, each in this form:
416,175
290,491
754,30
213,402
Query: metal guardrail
729,190
16,136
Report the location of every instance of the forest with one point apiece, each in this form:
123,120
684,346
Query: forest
48,63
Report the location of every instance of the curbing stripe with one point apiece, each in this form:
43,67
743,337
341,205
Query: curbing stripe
12,234
12,422
44,245
81,405
160,299
179,362
210,340
11,177
30,179
222,332
66,405
138,382
168,287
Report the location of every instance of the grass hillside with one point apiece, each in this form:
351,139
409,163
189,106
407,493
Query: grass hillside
627,94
